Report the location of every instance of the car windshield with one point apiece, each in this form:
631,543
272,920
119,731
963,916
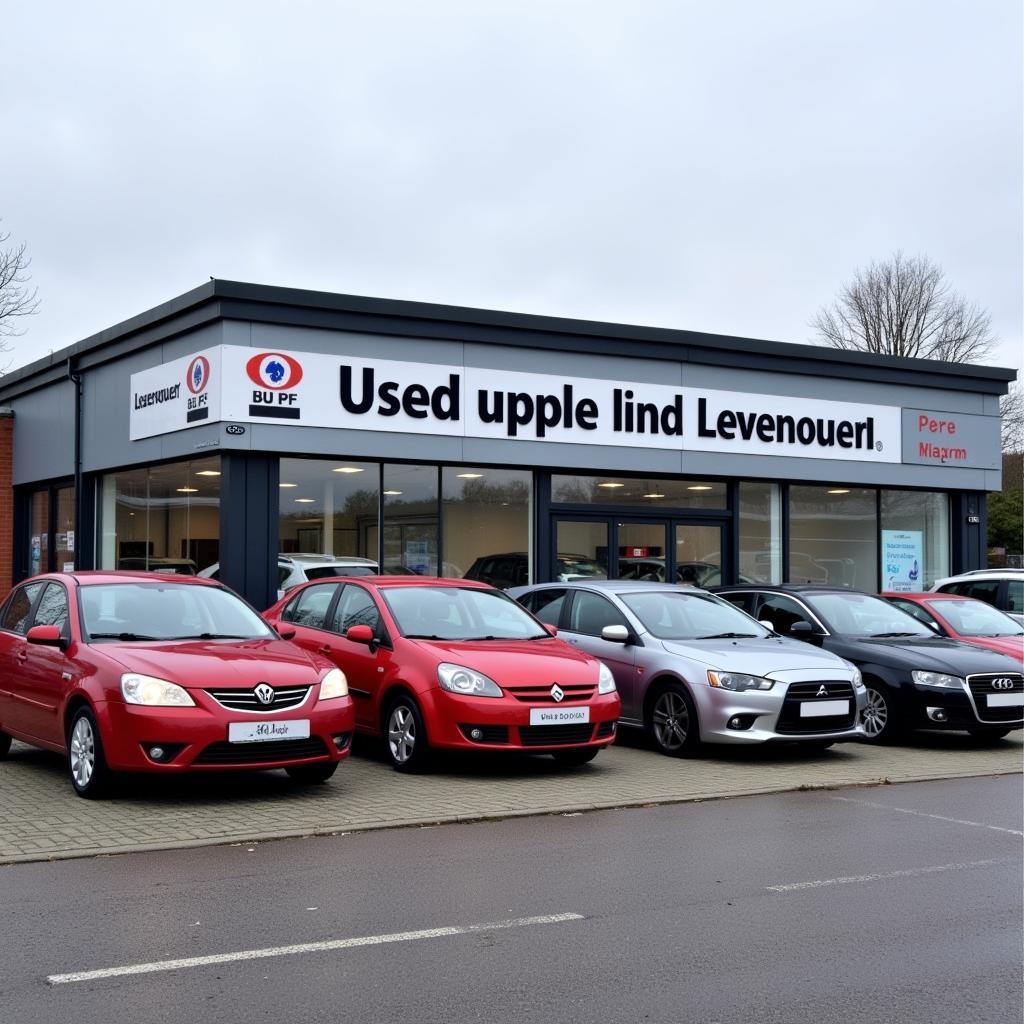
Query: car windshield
167,611
689,615
975,618
865,615
459,613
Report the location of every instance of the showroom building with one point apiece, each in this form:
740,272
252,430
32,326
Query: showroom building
238,421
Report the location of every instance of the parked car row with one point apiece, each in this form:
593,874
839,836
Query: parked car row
143,672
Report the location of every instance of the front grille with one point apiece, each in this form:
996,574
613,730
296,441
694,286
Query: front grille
285,697
793,723
541,693
271,752
982,686
554,735
491,733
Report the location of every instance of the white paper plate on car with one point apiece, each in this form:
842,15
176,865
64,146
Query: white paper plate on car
559,716
267,732
824,708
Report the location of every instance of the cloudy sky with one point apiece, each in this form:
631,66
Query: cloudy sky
712,166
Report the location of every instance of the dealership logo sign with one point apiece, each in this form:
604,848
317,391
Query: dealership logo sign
276,376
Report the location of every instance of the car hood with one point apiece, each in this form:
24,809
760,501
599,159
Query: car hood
508,662
759,657
933,654
219,663
1012,646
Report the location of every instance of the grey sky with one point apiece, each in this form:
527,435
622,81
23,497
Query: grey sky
711,166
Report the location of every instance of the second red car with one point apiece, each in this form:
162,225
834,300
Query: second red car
455,664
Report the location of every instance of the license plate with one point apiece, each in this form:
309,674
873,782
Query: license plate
1006,700
559,716
267,732
824,708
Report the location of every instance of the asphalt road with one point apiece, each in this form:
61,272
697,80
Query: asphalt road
893,903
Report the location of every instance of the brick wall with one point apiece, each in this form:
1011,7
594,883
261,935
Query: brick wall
6,499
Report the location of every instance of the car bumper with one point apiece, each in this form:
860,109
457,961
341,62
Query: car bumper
946,708
769,716
196,739
453,723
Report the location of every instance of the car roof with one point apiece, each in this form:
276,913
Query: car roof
617,586
982,574
790,588
298,556
385,582
91,577
920,596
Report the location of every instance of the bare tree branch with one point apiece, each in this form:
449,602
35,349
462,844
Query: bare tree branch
903,306
18,299
1011,412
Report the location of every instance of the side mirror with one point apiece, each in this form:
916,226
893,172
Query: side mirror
286,632
766,624
360,635
553,630
615,634
804,631
46,636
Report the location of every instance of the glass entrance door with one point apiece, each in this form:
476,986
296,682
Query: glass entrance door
699,554
642,551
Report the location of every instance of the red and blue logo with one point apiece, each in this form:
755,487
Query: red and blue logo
198,374
274,371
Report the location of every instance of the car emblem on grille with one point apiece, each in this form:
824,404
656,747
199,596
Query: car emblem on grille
822,691
1002,684
557,693
264,694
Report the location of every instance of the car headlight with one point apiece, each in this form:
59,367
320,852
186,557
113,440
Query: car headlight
467,681
939,679
739,681
858,680
333,685
154,693
605,679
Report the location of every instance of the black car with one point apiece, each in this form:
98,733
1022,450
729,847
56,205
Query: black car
915,679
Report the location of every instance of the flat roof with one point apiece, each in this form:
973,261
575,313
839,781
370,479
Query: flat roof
235,300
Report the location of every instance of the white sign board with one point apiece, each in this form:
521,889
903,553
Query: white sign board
244,385
902,560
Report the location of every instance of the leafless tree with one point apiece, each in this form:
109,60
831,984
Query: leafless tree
1011,412
904,306
17,298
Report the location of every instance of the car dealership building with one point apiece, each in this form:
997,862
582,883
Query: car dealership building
238,421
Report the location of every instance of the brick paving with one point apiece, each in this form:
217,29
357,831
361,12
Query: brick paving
41,818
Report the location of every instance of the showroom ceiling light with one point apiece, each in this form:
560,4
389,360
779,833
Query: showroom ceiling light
188,490
470,476
208,472
839,490
304,501
700,487
654,495
611,485
287,485
347,469
392,493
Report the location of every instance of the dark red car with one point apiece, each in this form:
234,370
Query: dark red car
141,672
456,664
964,618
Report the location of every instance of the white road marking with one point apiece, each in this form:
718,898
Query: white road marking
307,947
908,873
923,814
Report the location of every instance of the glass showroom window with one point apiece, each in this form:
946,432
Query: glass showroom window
637,492
329,507
915,539
760,533
486,514
410,519
163,518
833,536
39,532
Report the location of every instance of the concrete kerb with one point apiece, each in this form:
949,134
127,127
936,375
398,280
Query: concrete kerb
482,816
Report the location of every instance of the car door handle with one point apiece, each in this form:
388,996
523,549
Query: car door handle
22,655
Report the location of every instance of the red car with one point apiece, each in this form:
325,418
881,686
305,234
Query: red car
964,618
455,664
139,672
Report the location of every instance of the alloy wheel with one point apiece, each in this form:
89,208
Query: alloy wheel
83,752
671,720
875,715
401,733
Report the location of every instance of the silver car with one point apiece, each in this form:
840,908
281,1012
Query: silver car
692,668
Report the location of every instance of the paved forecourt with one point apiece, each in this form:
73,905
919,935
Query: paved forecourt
41,818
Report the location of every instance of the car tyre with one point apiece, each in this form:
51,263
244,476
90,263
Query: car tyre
5,745
879,717
87,764
405,736
989,735
312,774
673,722
576,756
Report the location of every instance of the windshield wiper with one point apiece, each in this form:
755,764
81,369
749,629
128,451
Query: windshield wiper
427,636
126,636
729,636
211,636
879,636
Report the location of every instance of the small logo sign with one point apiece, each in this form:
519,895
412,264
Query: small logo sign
235,429
274,371
264,694
198,374
1002,684
557,693
822,691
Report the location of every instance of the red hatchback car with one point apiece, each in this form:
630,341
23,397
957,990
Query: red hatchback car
964,618
138,672
455,664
